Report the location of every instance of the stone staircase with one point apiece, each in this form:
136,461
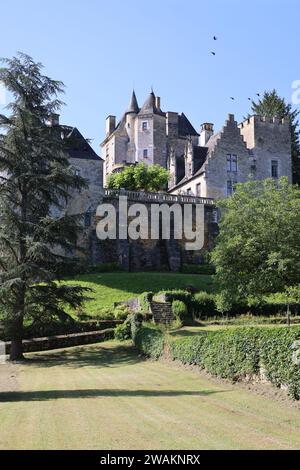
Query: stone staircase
162,312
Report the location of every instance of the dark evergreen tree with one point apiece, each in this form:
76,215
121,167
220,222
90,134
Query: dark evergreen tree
36,230
272,105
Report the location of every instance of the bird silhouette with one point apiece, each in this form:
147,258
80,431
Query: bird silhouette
249,99
258,94
232,98
215,38
213,53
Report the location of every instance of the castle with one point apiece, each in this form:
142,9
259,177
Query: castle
204,164
203,167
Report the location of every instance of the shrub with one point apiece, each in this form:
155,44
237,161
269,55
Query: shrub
204,305
150,341
135,320
179,310
144,301
121,312
186,297
123,331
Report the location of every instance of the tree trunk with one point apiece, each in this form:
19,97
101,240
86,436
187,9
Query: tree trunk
288,315
16,350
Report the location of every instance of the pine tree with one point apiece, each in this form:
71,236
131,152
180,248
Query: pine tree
36,230
272,105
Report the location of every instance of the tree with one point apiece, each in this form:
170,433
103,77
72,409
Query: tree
140,177
272,105
258,247
35,181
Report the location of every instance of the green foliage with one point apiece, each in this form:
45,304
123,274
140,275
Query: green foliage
36,181
140,177
272,105
239,352
150,341
123,331
179,309
135,320
179,294
258,248
144,301
121,312
204,305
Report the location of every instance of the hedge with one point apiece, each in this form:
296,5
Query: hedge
198,269
239,352
150,341
234,353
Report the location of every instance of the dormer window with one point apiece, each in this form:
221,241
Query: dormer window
145,125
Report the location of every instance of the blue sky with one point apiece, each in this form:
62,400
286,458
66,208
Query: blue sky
101,49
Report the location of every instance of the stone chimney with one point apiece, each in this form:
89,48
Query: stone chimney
207,130
110,124
157,102
172,125
53,120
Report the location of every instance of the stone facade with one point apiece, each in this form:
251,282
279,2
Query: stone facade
258,148
152,254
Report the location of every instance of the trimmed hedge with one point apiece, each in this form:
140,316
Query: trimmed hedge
150,341
239,352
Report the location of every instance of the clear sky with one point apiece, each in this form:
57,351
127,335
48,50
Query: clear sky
101,49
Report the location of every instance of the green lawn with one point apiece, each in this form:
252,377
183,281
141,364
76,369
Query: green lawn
114,287
106,397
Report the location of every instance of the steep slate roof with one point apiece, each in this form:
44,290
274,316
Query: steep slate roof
149,107
133,106
76,145
200,154
185,127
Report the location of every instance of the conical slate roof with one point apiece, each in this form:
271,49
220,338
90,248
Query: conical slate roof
133,106
149,107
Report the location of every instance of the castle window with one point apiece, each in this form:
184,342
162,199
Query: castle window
232,162
144,125
189,191
274,169
198,189
145,153
230,187
77,172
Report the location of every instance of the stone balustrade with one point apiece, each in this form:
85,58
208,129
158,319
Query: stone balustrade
143,196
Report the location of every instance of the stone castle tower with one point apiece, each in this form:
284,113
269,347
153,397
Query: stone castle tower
147,135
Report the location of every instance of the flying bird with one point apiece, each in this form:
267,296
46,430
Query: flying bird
232,98
258,94
215,38
213,53
249,99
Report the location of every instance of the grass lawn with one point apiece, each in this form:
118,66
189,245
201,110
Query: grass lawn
105,397
116,286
